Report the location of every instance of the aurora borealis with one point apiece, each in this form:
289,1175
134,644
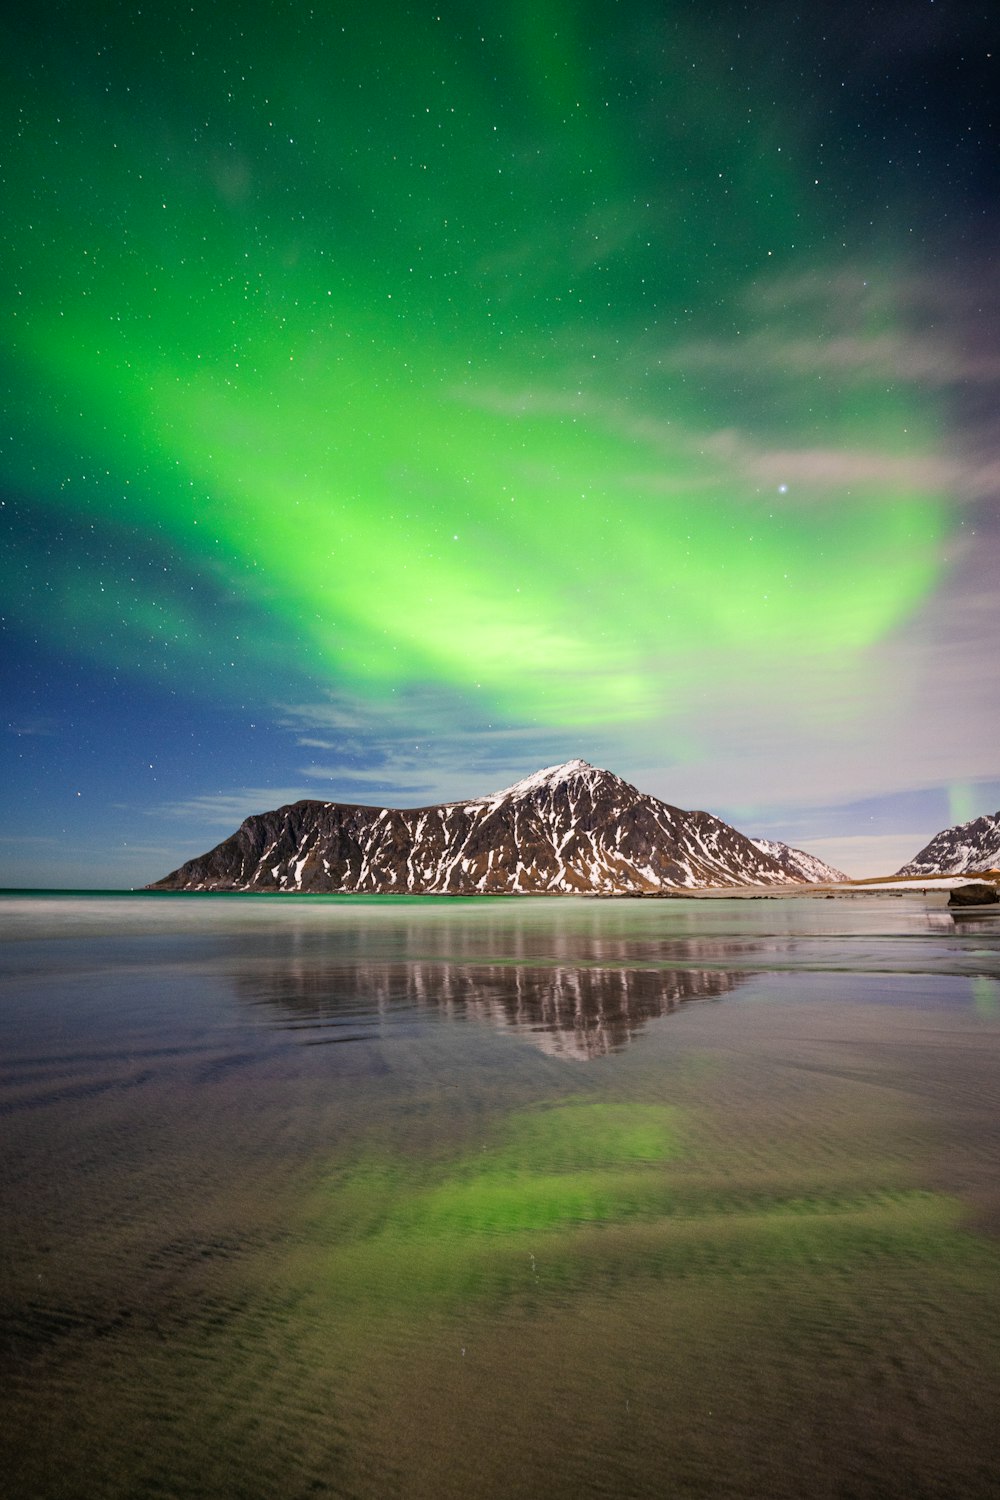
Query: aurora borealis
401,398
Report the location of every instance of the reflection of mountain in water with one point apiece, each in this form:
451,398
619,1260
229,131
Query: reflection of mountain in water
570,1011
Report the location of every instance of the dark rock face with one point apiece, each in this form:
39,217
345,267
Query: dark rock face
567,828
968,848
976,893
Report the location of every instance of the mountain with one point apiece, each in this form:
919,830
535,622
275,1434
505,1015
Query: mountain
965,849
567,828
800,866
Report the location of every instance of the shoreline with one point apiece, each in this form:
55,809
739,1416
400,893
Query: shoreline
930,886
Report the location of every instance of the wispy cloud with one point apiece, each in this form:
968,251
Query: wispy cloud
734,452
34,724
836,468
228,809
897,356
428,744
402,780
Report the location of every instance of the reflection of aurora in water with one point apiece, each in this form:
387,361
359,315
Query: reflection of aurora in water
570,1011
745,1252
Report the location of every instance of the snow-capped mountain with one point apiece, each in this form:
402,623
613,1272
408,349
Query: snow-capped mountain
965,849
800,866
567,828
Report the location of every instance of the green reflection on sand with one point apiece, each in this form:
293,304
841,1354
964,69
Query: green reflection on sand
986,997
583,1193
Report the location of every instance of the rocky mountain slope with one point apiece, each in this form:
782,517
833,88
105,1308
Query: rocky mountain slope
800,866
567,828
965,849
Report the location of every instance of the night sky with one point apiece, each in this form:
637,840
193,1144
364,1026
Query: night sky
398,398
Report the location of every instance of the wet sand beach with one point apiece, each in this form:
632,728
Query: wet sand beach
508,1198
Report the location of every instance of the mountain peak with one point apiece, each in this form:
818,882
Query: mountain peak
552,776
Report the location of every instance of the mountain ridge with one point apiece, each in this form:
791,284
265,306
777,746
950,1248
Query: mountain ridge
569,828
802,867
963,849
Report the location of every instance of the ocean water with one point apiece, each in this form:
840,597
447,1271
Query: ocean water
498,1197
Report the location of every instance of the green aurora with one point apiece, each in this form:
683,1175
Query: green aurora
415,343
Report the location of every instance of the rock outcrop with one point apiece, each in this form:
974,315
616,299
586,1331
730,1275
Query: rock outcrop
976,893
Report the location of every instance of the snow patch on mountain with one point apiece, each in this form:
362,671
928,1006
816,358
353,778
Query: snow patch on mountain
575,776
551,776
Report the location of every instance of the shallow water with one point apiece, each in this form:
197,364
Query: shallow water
506,1197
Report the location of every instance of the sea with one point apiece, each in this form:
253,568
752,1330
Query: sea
498,1197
